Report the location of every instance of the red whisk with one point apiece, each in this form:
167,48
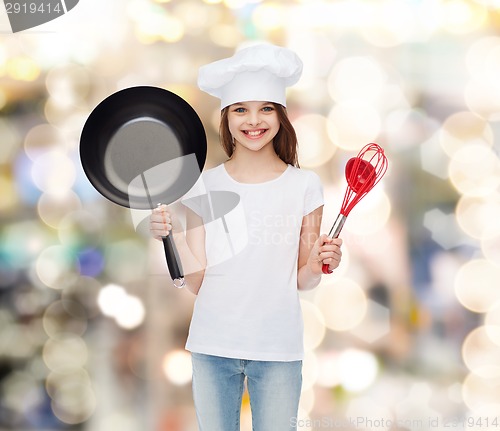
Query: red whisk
362,173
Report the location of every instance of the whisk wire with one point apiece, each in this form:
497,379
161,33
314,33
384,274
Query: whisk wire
365,173
362,174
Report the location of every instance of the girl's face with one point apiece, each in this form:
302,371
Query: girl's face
253,124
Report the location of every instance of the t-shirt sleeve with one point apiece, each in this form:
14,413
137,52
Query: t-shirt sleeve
314,193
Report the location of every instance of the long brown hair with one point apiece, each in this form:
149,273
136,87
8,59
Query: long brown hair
284,143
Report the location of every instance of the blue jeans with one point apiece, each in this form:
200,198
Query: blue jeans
274,389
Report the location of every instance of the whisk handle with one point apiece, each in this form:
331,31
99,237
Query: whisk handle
334,233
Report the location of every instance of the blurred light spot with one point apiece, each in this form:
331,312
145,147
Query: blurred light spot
131,313
482,92
371,214
310,370
84,291
323,16
3,59
454,392
73,403
10,141
30,303
318,53
444,228
194,16
433,158
479,392
393,22
53,172
270,16
238,4
68,85
314,325
23,69
69,122
485,415
125,260
476,285
127,310
53,208
481,355
416,405
406,128
177,367
353,124
64,317
56,380
22,242
343,304
109,299
42,138
371,412
8,196
65,354
490,242
462,129
225,35
8,274
315,148
478,216
90,262
358,369
55,267
482,52
328,375
80,228
34,329
155,24
375,325
16,388
17,341
28,192
123,419
460,16
307,401
358,78
475,170
492,323
483,98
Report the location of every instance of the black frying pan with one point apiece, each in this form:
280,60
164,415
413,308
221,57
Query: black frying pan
143,146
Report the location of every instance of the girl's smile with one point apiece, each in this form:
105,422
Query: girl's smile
255,134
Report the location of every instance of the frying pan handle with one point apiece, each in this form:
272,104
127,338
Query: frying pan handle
173,261
334,233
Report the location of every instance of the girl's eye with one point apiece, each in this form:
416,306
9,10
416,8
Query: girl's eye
240,110
268,108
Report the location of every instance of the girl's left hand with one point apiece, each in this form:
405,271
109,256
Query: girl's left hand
325,250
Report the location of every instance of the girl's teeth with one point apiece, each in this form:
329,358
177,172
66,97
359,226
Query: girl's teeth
255,133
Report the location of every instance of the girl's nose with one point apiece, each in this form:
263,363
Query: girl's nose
253,119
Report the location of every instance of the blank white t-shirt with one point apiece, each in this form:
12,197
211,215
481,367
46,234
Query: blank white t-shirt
248,304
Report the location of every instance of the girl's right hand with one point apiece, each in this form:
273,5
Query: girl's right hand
160,222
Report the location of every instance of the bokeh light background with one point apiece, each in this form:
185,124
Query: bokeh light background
404,336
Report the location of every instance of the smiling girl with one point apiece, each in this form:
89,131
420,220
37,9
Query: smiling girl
247,321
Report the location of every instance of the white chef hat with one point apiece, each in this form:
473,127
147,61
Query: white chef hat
259,72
